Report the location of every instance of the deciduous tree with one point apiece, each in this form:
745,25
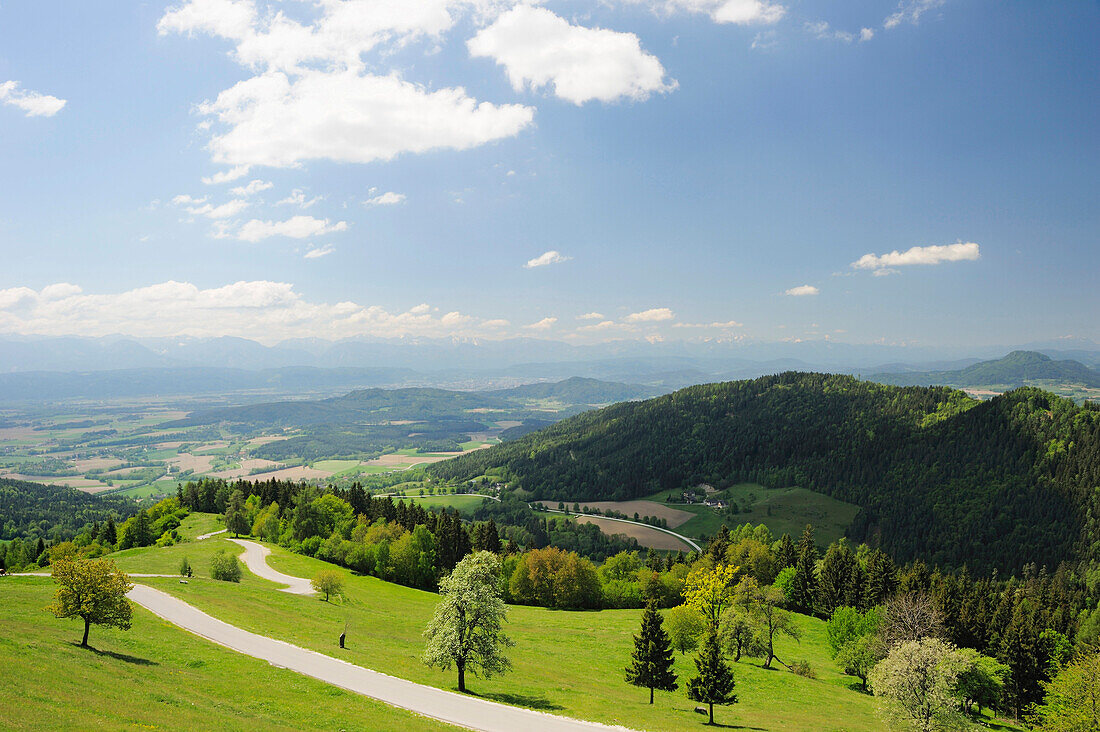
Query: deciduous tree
328,582
93,590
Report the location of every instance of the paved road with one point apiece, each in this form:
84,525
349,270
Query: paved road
457,709
212,533
681,537
255,558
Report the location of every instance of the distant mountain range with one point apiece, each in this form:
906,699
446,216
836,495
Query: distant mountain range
1019,368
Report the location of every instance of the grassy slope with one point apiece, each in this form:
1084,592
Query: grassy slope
783,510
464,504
197,524
589,651
156,676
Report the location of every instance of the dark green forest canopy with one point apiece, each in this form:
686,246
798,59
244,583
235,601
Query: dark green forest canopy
937,475
32,510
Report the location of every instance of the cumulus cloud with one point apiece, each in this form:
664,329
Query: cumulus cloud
318,252
603,325
910,11
717,325
252,188
389,198
824,31
312,96
226,176
32,103
296,227
653,315
544,324
935,254
551,257
298,198
739,12
866,34
802,291
263,310
199,207
538,48
495,323
590,316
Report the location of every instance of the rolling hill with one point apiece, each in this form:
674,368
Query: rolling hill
937,474
1019,368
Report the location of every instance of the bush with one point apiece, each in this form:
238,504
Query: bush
225,567
310,545
803,668
185,568
328,582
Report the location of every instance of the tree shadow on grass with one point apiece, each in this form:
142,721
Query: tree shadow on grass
119,656
539,703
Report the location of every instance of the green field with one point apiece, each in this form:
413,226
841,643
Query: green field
589,651
783,510
462,503
156,676
197,524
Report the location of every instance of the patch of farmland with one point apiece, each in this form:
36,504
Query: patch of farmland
73,481
247,466
647,536
190,461
299,472
674,516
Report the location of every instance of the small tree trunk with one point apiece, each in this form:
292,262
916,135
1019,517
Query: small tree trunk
461,676
711,705
651,695
87,627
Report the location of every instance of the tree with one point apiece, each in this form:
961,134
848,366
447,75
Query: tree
185,568
917,683
847,624
93,590
236,516
858,656
710,592
327,581
804,582
1021,651
910,617
108,535
981,680
738,635
715,682
652,662
785,552
1072,702
684,625
466,629
836,572
770,620
225,567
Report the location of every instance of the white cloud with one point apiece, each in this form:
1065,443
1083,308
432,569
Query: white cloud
544,324
550,257
296,227
263,310
31,102
821,30
653,315
226,176
389,198
936,254
538,48
318,252
717,325
590,316
910,11
223,211
866,34
739,12
252,188
495,323
350,117
297,197
802,291
603,325
765,40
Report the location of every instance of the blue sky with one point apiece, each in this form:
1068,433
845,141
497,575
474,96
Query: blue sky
703,169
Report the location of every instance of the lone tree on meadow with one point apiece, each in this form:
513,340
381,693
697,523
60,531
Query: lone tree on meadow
327,582
652,663
715,682
466,629
93,590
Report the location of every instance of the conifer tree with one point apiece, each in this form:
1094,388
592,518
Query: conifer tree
143,530
715,682
836,570
652,663
785,554
236,516
804,584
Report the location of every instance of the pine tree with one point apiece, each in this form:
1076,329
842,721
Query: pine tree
143,530
652,663
236,516
881,579
715,682
785,554
653,560
804,584
1020,651
836,571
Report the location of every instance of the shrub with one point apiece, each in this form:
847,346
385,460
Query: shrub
185,568
225,567
803,668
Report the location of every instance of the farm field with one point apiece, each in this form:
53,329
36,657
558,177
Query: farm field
675,516
156,676
464,504
647,536
590,649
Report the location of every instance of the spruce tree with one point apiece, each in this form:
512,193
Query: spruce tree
804,584
143,529
652,663
236,516
715,682
785,554
108,535
836,571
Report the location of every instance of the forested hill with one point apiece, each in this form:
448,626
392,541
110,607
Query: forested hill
938,475
580,390
1018,368
30,510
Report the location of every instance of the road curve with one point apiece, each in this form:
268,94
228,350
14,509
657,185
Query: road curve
255,558
446,706
212,533
681,537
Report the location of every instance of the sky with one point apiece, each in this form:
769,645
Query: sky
916,173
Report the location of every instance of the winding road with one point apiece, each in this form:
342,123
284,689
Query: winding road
681,537
457,709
